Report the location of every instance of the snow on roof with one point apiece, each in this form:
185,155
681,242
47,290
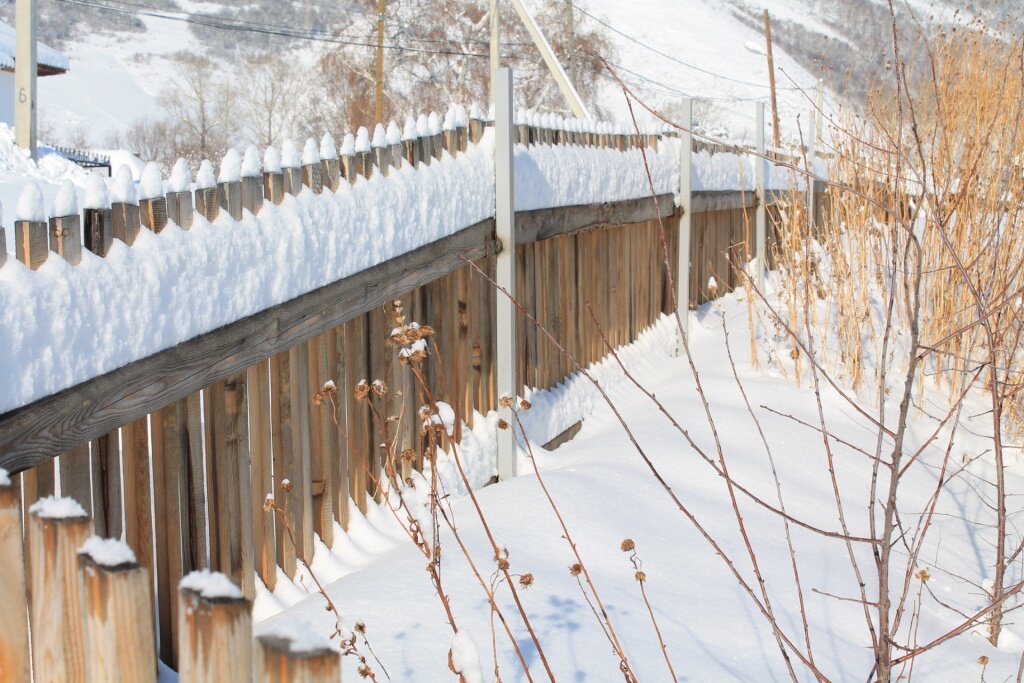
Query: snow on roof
46,56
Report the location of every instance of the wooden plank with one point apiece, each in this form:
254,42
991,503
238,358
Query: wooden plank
117,608
75,476
264,543
66,238
277,663
14,652
543,224
106,485
197,541
214,639
281,440
297,461
339,462
126,222
321,428
31,434
137,500
230,480
30,243
359,440
58,642
229,194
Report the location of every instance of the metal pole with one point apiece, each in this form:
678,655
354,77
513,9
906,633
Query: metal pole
25,75
761,215
771,80
685,201
566,87
495,51
505,267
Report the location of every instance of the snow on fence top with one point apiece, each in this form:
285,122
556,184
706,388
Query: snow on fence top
66,320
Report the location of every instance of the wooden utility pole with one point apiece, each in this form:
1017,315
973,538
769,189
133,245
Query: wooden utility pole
771,80
572,41
379,108
25,75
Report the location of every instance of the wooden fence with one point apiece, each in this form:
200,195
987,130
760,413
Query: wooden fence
177,453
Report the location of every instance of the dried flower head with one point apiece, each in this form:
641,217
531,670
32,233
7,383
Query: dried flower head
286,484
379,388
794,353
502,424
641,577
268,502
526,580
923,575
576,569
362,390
360,627
524,404
505,401
407,455
627,545
983,660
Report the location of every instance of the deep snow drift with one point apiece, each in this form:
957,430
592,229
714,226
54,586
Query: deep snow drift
606,494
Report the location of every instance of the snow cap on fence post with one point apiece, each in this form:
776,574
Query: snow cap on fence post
347,158
381,151
461,128
330,167
273,177
66,225
290,168
394,138
410,141
117,608
214,630
179,195
124,206
152,204
434,126
31,244
57,528
252,180
229,184
476,124
207,196
363,153
312,176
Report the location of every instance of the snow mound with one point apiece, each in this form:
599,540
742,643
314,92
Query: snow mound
108,552
211,585
55,507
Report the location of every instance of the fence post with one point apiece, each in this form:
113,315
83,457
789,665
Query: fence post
229,184
124,207
761,215
207,195
290,167
685,202
331,167
57,528
118,612
152,204
179,198
214,630
276,662
312,168
505,268
14,654
252,181
273,178
31,244
66,229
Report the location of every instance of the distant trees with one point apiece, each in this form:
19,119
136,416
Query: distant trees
438,54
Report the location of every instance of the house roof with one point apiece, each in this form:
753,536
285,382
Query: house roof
49,61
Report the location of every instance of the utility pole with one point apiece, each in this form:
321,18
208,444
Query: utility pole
572,40
25,75
771,80
379,102
495,51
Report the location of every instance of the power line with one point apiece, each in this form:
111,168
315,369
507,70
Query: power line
666,55
264,29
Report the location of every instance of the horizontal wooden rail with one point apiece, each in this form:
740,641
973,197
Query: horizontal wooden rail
32,434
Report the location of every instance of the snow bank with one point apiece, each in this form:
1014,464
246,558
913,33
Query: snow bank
558,175
108,552
729,172
211,585
302,636
56,507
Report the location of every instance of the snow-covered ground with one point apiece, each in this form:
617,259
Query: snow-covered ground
606,494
